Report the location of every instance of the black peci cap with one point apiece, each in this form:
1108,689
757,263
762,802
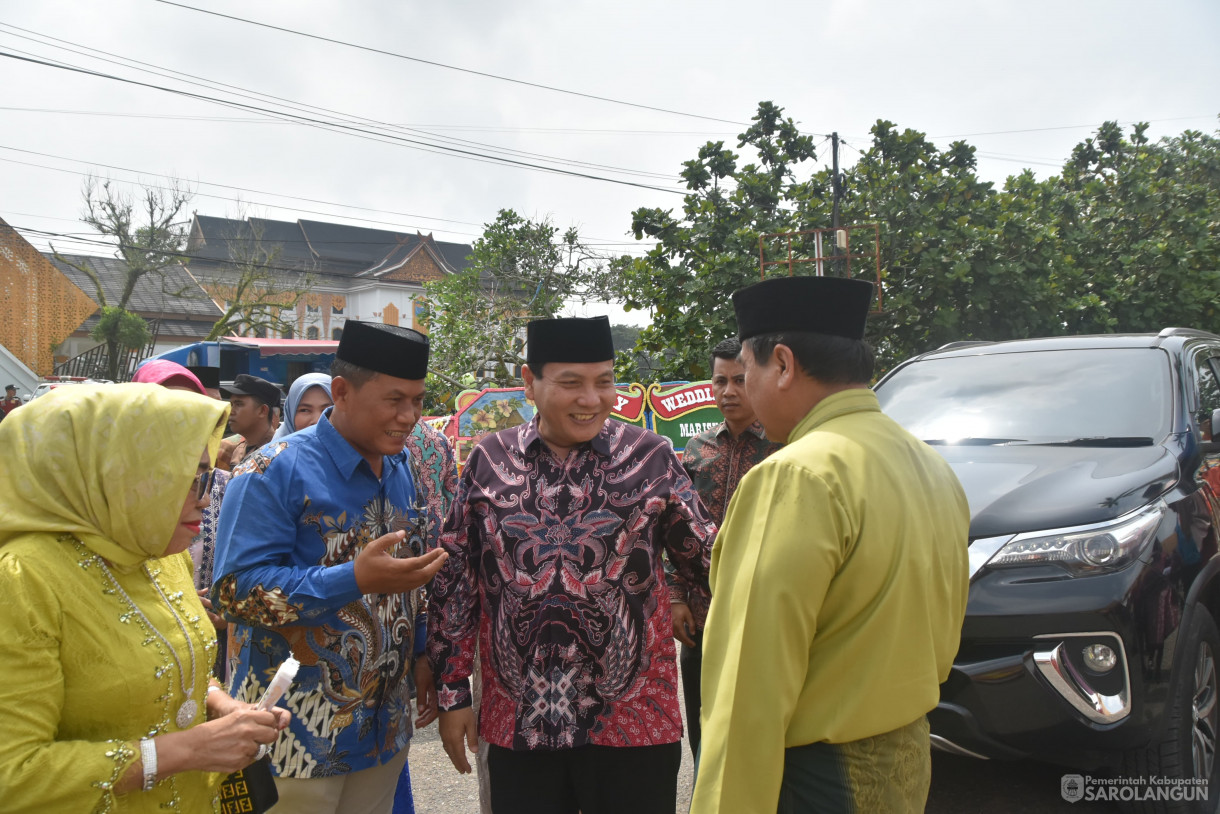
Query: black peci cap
568,339
389,349
209,377
820,305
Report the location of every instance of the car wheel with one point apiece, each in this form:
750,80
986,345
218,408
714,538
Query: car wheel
1188,748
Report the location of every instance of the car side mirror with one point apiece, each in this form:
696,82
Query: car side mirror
1213,446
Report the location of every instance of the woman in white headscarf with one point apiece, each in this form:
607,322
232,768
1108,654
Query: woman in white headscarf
308,397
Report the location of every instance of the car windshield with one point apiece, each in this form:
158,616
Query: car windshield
1105,397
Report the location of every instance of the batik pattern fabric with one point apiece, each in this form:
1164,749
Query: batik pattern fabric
435,471
203,547
891,772
556,569
295,516
716,462
203,556
436,474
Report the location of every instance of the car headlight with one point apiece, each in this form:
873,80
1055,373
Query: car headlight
1082,550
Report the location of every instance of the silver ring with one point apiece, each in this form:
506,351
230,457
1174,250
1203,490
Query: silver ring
263,749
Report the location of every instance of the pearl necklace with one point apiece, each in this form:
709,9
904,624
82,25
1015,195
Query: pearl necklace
186,712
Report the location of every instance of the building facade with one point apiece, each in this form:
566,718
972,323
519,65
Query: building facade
350,272
344,272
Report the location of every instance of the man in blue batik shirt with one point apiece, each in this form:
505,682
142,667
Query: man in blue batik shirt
319,555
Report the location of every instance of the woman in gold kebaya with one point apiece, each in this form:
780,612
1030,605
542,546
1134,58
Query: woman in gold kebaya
106,703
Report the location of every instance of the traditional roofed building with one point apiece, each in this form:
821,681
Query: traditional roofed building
355,272
171,300
347,271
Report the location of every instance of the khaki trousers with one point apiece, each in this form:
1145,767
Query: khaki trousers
370,791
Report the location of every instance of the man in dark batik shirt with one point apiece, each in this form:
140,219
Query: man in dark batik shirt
716,460
556,567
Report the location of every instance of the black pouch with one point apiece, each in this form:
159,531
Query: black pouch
250,790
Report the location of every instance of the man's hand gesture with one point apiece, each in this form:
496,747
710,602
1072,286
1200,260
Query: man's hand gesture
380,572
459,732
684,623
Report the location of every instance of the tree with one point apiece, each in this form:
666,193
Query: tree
518,270
1139,231
959,260
147,241
1125,239
624,337
712,249
252,293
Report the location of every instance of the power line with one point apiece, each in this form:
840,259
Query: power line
75,238
247,93
1045,162
238,189
332,126
563,131
399,226
1070,127
233,200
1016,159
452,67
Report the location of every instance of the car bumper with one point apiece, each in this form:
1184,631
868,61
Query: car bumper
1019,687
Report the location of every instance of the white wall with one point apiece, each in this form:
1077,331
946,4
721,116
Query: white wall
13,371
368,304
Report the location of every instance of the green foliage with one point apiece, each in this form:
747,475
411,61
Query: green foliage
624,336
121,329
520,269
959,261
1141,231
148,237
254,297
712,249
1125,240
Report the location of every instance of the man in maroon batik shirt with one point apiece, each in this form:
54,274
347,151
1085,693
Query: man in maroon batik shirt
556,567
716,460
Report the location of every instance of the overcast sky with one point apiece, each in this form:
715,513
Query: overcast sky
1021,81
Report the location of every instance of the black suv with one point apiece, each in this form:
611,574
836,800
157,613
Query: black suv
1093,479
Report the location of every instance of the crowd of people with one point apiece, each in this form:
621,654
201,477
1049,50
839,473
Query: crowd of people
808,555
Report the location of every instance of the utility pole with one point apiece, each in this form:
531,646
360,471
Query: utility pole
836,181
837,192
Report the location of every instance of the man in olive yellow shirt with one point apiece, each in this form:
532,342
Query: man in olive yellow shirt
839,577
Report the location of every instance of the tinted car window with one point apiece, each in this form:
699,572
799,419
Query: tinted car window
1034,396
1208,393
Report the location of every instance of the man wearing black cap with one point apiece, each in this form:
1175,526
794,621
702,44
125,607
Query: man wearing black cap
839,577
319,556
253,403
555,568
10,401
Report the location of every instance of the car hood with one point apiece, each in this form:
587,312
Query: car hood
1028,488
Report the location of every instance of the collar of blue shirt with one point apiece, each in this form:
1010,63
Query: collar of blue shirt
344,455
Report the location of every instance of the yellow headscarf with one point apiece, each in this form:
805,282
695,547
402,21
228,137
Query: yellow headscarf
110,464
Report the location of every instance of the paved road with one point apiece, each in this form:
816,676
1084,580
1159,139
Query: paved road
959,785
966,786
439,789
